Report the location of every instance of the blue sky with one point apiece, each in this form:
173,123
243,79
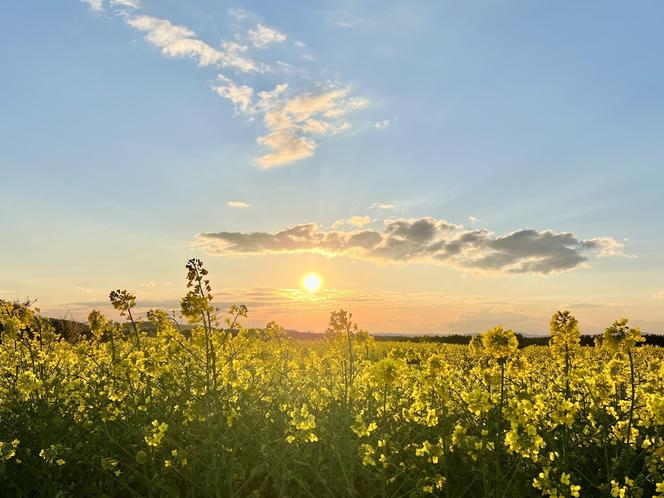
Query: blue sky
120,146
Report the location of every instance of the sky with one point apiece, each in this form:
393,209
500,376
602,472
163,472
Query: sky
443,167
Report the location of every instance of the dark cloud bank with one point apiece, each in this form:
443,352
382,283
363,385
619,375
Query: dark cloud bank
424,240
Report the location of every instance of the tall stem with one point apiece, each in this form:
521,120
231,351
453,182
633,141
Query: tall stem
133,324
632,395
208,343
567,393
351,372
567,368
499,439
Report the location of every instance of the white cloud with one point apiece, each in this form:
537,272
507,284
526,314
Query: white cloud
179,41
85,290
263,36
305,52
293,120
131,4
609,247
97,5
240,95
383,205
238,13
267,99
356,221
472,219
348,18
381,125
424,240
354,23
152,284
238,204
287,147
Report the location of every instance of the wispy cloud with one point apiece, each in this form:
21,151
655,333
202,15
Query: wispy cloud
384,206
152,284
179,41
381,125
97,5
584,305
348,20
295,114
355,221
238,204
240,95
131,4
291,122
238,13
88,291
658,295
425,240
262,36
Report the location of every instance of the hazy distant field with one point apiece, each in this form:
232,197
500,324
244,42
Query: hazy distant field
207,412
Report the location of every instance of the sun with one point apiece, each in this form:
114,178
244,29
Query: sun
311,282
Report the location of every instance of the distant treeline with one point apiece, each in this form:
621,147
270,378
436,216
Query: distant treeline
586,340
73,330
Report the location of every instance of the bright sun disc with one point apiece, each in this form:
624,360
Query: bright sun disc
311,282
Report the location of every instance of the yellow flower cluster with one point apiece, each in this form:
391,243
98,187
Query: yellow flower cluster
156,433
302,422
500,344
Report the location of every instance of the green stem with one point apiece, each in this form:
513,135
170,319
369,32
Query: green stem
499,441
632,395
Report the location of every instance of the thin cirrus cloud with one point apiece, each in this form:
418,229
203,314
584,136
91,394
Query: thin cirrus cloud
98,5
131,4
381,125
295,114
387,206
356,221
238,204
425,240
